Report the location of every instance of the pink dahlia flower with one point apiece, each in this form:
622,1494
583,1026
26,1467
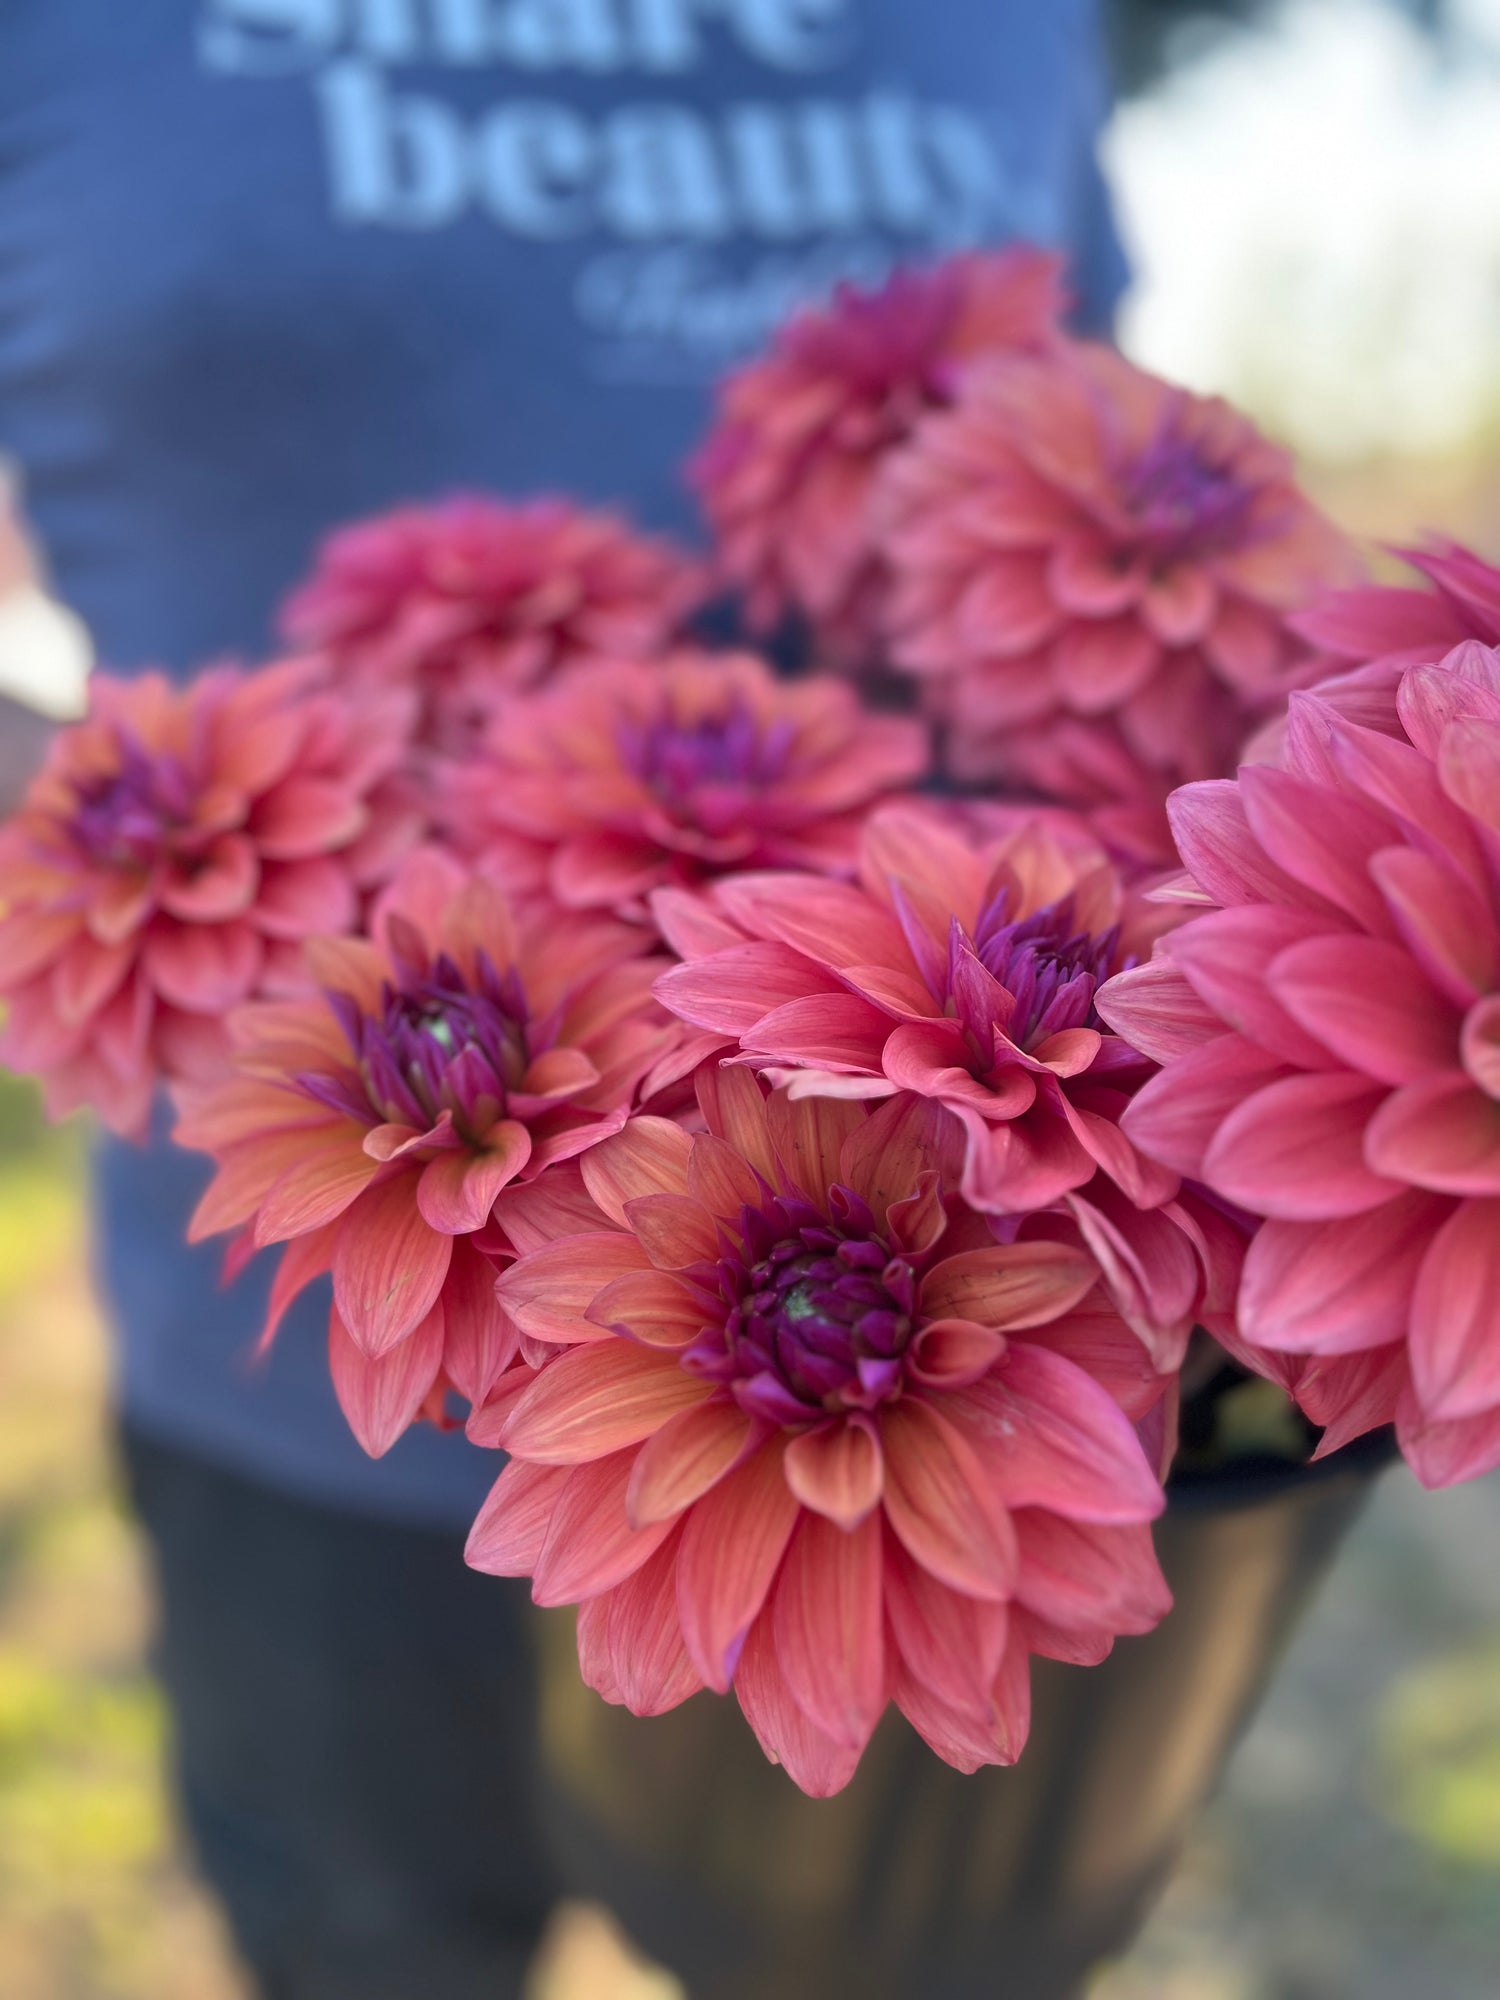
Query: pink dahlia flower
1093,576
810,1432
964,970
474,598
627,778
166,863
1330,1030
397,1128
802,434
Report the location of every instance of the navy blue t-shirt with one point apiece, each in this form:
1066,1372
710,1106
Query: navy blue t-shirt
269,264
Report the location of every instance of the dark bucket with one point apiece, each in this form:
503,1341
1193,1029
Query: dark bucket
917,1883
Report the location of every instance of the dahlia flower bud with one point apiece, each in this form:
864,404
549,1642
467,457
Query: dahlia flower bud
405,1127
475,598
166,864
803,433
808,1431
1093,576
1329,1029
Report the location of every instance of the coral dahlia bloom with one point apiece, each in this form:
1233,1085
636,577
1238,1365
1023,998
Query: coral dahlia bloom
176,847
628,778
398,1127
802,434
1330,1030
811,1433
1094,572
475,597
964,970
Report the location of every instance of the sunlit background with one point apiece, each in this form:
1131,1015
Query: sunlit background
1313,209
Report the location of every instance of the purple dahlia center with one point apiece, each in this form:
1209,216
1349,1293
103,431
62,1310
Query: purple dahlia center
1184,503
817,1313
438,1044
1047,969
679,762
132,817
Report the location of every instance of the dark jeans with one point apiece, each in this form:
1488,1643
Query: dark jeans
354,1722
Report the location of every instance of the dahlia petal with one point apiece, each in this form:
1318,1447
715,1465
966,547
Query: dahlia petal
1175,1116
303,1259
1099,1342
590,1544
1157,1011
549,1292
299,899
1455,1317
690,1454
119,906
939,1499
808,1136
817,1763
1076,1574
1359,997
732,990
653,1307
1322,839
646,1156
1297,1149
1224,955
1350,1394
951,1353
732,1547
479,1341
511,1527
650,1664
381,1397
85,976
1149,1266
691,924
605,871
828,1626
203,968
388,1266
835,1469
1179,605
1100,664
1442,921
1440,1133
951,1644
457,1190
1447,1454
719,1178
559,1073
317,1187
831,923
224,882
835,1031
1469,768
306,816
598,1399
734,1109
673,1230
30,940
1212,831
1027,1164
1009,1285
1336,1287
486,1423
963,1738
1055,1439
1479,1044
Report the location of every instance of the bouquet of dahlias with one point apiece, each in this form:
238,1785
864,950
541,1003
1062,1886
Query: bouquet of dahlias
831,1143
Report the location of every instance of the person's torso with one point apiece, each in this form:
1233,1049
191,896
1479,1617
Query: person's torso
266,265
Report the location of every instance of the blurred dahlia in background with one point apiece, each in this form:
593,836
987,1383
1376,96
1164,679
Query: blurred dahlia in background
635,776
802,433
473,598
176,849
1093,577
